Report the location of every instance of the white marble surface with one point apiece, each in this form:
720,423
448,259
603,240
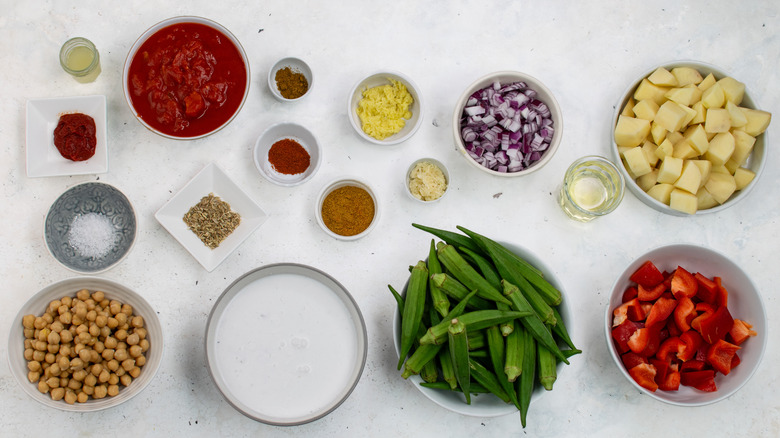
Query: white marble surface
586,52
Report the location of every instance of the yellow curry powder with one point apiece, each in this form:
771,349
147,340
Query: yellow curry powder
384,109
348,210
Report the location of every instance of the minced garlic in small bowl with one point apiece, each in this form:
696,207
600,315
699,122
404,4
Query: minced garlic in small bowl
427,180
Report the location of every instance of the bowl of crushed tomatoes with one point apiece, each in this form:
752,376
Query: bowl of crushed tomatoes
186,77
686,325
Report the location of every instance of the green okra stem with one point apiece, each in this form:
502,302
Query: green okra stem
398,299
459,353
476,320
547,363
447,370
440,301
414,306
513,364
466,274
421,356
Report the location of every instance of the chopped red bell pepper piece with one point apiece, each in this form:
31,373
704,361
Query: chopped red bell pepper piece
703,311
708,290
683,283
629,294
693,341
644,375
684,313
722,298
647,275
671,348
671,381
703,380
639,340
692,365
662,308
622,333
650,294
662,368
720,355
654,339
716,326
741,331
672,328
735,361
629,310
631,359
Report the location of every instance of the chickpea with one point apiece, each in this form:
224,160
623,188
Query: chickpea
70,318
90,380
121,318
33,376
57,394
96,369
53,348
91,315
53,382
63,309
105,332
141,332
135,351
82,397
29,333
54,370
54,305
66,337
113,379
85,355
43,387
39,355
94,356
47,318
121,346
99,347
114,307
49,357
89,390
28,354
80,310
101,321
100,391
43,334
76,363
83,294
144,345
53,338
112,365
128,364
125,380
70,397
57,326
132,339
74,384
121,335
68,301
41,345
64,382
135,372
34,365
127,309
63,362
94,330
84,337
28,321
137,321
120,372
104,376
39,322
121,355
107,354
113,390
113,323
80,375
140,360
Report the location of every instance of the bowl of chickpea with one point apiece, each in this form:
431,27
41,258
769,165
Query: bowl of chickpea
85,344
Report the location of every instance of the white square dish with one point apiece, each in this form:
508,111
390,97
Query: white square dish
43,158
214,180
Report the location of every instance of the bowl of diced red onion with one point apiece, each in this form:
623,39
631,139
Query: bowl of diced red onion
507,124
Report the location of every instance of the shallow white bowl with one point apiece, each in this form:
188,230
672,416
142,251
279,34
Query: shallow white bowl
744,303
297,65
437,163
37,305
312,332
338,183
755,162
487,405
504,77
43,158
211,179
169,22
378,79
281,131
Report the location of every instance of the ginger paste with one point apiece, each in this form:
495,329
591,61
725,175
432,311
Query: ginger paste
384,109
427,182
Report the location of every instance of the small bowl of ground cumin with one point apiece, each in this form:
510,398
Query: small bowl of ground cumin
287,154
347,209
290,79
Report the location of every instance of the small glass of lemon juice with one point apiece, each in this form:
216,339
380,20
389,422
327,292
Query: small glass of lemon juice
592,187
80,58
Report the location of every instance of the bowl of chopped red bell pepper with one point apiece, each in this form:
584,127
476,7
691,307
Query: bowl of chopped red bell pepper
686,325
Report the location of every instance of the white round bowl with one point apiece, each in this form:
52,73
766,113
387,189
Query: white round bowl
744,302
755,162
37,306
486,405
378,79
543,94
338,183
297,65
281,131
437,163
169,22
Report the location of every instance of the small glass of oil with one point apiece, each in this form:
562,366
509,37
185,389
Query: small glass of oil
592,187
80,58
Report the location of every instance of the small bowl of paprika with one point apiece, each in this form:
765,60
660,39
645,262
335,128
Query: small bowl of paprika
347,209
290,79
287,154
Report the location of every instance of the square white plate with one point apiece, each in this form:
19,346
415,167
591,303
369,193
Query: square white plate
214,180
43,158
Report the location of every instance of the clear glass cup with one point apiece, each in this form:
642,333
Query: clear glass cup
80,58
592,187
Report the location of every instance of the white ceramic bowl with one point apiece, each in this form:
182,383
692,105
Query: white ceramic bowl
437,163
224,119
487,405
37,305
281,131
755,162
744,302
506,77
297,65
378,79
343,182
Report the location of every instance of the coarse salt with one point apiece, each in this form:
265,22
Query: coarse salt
92,235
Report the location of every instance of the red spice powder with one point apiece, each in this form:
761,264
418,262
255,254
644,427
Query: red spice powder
289,157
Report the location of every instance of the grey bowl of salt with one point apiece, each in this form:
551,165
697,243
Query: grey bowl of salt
90,228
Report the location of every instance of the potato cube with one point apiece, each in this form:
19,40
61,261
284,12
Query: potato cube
733,89
707,82
690,178
637,162
721,186
649,149
731,165
666,148
713,97
661,192
670,170
701,113
757,121
698,138
683,201
705,199
737,116
663,78
687,95
721,148
686,75
647,180
743,146
690,114
622,149
718,120
705,167
648,90
683,149
645,109
657,132
674,137
743,177
671,116
631,131
628,108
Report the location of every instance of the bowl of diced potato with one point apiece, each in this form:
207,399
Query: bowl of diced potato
690,138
